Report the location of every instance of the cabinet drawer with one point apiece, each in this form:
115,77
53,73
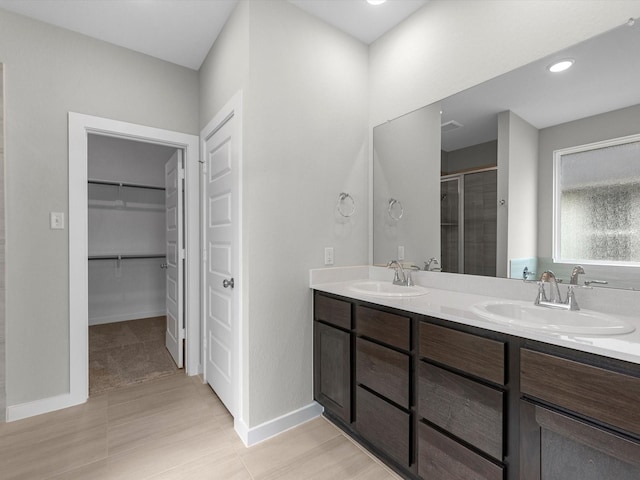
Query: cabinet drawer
476,355
467,409
383,370
598,393
383,425
330,310
385,327
440,457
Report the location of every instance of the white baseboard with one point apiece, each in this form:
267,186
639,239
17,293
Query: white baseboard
38,407
260,433
125,317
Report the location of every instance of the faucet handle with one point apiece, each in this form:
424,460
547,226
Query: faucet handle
542,294
571,298
408,269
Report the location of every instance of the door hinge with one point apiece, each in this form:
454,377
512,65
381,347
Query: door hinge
183,254
204,167
182,334
204,255
181,173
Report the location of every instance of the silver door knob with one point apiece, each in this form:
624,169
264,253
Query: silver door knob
163,265
227,283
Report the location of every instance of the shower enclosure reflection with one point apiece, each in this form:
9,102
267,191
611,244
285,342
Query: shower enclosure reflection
468,227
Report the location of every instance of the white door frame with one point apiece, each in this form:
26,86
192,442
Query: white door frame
80,126
233,108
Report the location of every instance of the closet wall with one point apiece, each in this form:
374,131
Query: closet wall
126,221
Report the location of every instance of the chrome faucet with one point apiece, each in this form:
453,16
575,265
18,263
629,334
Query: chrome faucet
554,290
399,278
577,270
429,265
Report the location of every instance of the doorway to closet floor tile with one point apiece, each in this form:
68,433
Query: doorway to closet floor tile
126,353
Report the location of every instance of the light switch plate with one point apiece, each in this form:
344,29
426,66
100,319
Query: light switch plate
400,252
56,220
328,255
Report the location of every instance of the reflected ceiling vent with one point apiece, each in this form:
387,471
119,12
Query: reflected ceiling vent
450,126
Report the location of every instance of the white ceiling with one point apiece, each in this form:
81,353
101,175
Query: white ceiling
182,31
359,19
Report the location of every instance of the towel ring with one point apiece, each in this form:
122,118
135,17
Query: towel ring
342,199
398,204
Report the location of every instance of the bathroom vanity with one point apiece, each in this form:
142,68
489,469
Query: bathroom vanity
439,393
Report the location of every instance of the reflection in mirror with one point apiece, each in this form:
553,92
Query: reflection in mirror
511,125
406,192
597,203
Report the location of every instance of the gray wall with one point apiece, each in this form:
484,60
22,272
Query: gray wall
522,201
304,142
406,167
225,71
49,72
476,156
618,123
615,124
3,398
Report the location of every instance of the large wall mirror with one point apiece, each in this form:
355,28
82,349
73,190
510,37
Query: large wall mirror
469,180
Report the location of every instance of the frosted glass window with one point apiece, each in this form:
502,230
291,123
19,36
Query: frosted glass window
597,203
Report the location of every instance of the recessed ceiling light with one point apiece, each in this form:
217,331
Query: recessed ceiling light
376,2
561,65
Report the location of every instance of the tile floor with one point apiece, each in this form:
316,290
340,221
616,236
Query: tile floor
168,429
126,353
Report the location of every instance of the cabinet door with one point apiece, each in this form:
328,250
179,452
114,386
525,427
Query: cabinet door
332,370
555,446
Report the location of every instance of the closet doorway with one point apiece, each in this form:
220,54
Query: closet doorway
135,200
121,218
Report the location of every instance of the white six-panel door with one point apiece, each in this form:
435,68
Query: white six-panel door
175,254
221,218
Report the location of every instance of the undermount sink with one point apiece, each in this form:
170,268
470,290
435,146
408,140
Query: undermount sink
387,289
530,316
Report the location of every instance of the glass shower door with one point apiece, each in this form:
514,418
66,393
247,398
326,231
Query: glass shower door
451,230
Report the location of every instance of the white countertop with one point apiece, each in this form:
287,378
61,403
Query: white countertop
454,306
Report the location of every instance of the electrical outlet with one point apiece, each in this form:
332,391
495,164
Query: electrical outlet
328,255
56,220
400,252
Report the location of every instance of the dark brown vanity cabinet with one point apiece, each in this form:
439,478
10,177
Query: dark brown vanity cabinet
578,421
332,329
383,382
461,400
436,400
